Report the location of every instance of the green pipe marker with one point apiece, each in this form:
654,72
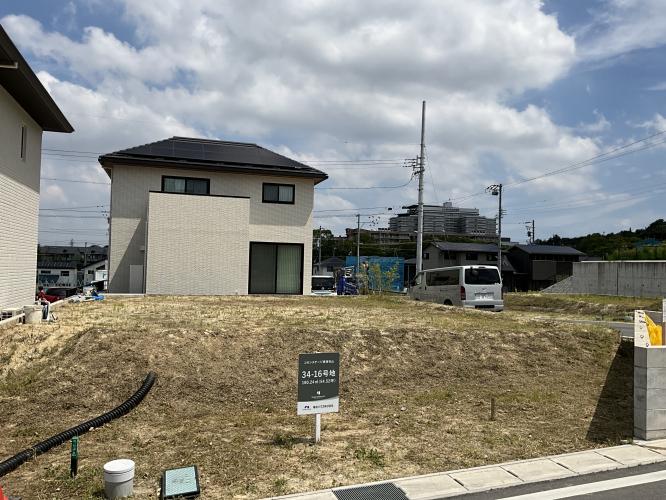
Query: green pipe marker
74,457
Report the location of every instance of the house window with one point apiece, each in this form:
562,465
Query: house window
491,257
45,271
471,256
64,273
24,141
426,255
278,193
186,185
276,268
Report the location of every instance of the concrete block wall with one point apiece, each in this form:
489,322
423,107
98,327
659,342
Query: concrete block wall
650,392
640,278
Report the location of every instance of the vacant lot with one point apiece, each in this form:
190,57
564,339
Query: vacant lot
416,385
603,307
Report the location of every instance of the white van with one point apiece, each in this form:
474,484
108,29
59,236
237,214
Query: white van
478,287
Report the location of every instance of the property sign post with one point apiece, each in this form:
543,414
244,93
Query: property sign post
318,386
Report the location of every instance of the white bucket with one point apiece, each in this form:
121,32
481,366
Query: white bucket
33,314
118,478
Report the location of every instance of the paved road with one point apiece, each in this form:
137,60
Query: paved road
647,482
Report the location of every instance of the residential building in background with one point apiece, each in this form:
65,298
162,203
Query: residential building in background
27,110
328,267
444,219
198,216
539,266
69,265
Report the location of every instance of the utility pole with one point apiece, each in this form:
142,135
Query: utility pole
496,190
319,245
358,246
533,235
419,231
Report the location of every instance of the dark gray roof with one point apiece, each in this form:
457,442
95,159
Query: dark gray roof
333,261
72,250
450,246
207,154
18,79
548,250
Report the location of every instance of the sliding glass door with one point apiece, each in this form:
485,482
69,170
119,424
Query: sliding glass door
276,268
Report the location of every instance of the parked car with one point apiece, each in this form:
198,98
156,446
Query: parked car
323,285
478,287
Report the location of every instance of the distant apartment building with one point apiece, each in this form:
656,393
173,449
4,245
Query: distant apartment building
444,219
26,112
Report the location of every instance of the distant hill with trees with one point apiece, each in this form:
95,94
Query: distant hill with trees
642,244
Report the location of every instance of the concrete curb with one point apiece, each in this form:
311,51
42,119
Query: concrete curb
489,477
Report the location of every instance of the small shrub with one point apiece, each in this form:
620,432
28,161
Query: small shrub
371,455
284,440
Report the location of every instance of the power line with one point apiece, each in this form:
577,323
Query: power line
608,155
370,187
62,216
72,180
346,209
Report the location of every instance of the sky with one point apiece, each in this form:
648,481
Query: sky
562,102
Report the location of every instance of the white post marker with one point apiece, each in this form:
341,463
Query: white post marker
318,386
317,432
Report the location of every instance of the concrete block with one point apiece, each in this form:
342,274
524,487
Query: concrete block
586,461
649,378
479,479
538,470
648,435
650,357
430,487
631,455
650,399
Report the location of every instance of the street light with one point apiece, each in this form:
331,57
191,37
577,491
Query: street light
496,190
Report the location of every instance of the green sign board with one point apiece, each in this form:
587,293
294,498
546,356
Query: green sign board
318,383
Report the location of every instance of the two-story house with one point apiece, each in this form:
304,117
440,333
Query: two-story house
26,111
204,217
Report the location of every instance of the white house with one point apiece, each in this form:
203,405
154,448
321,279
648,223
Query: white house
197,216
26,110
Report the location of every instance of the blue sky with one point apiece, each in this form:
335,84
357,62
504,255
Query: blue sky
515,89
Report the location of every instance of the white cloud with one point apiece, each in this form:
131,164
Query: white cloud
623,26
323,80
601,125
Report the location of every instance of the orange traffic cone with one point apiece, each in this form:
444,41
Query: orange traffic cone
2,495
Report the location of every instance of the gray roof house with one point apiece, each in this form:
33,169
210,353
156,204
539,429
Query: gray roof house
206,217
540,266
447,253
27,110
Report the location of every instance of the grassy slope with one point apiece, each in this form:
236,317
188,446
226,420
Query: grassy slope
604,307
417,380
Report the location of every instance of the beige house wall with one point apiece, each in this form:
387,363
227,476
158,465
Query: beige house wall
267,222
19,204
197,245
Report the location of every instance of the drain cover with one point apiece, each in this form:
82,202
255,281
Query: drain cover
383,491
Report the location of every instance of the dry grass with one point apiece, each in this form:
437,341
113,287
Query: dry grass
416,384
603,307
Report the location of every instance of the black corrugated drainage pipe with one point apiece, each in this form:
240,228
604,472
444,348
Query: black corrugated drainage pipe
20,458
